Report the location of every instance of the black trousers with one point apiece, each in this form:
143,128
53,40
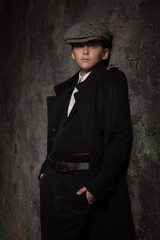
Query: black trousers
67,216
64,214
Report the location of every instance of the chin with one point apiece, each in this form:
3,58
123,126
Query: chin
89,68
86,69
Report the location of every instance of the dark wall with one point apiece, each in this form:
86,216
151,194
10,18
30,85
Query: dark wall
34,57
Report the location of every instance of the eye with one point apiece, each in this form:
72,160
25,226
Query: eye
93,46
78,45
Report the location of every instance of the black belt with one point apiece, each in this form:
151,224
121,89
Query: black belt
58,161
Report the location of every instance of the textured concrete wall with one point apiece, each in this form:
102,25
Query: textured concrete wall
33,57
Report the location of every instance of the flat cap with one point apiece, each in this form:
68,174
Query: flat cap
87,31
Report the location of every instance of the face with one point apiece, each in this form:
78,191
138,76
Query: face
87,55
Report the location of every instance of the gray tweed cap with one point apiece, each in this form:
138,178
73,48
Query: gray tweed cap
87,31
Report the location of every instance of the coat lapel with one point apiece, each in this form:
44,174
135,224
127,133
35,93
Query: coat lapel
57,104
73,111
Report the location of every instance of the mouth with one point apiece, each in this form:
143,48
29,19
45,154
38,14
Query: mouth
85,59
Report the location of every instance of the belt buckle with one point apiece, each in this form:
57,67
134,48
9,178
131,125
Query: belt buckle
63,164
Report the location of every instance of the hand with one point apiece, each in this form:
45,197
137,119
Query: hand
41,175
89,196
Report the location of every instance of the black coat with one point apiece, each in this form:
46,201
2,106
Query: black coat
104,113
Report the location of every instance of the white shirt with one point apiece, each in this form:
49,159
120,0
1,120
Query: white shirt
72,99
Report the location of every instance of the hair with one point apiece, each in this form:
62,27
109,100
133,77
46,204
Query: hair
107,43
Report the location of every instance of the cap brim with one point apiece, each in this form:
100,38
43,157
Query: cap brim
82,40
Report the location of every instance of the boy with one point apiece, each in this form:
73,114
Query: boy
83,189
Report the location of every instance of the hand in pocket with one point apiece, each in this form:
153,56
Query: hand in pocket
90,198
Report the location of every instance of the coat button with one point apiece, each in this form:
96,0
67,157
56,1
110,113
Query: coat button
101,133
54,131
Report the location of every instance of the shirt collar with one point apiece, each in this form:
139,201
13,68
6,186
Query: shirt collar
84,77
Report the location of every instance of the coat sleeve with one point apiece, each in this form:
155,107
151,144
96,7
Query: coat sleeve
50,113
43,168
117,148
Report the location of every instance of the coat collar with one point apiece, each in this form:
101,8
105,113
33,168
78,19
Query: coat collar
64,86
60,88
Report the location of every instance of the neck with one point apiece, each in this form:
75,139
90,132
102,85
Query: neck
83,73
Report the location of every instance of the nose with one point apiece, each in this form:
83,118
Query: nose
85,50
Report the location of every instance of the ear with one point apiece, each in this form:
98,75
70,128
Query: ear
72,54
105,53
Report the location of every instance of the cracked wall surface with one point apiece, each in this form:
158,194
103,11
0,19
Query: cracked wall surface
33,58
